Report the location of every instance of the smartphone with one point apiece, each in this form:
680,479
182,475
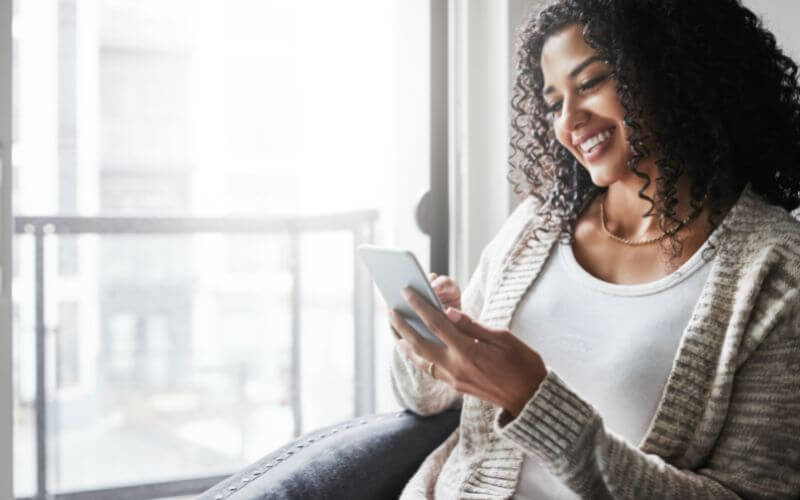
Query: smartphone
393,269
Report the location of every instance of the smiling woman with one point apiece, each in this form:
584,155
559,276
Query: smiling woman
632,329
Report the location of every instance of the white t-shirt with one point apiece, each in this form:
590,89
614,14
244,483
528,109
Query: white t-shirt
613,344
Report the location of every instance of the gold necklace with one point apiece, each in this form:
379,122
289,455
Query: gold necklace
640,242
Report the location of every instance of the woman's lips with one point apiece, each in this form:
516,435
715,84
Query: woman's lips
600,149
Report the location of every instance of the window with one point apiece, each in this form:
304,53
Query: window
192,177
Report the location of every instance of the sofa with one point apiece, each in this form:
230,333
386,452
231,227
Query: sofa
363,458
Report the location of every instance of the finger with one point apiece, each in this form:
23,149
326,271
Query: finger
433,318
439,282
432,276
394,331
451,304
419,344
472,328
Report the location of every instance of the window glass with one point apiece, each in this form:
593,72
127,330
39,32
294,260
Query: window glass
197,351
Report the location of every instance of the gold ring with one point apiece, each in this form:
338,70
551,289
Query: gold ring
430,369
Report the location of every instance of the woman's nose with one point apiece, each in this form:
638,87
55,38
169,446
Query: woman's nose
572,115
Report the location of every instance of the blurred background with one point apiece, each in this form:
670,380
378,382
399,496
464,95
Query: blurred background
190,181
199,172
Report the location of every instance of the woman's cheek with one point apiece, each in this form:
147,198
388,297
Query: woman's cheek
562,139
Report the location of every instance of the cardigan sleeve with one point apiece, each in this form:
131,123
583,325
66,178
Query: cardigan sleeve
416,390
757,454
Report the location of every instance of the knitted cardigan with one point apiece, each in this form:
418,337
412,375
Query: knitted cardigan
728,422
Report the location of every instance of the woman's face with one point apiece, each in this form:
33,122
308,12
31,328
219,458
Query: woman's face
586,112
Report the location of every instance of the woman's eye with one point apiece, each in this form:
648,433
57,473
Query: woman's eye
591,83
554,108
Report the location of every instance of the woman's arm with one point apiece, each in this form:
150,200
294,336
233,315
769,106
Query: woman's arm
757,454
415,389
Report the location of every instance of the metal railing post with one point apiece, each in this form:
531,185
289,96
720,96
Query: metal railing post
363,321
297,402
41,395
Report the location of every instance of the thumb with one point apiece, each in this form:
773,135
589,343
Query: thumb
455,315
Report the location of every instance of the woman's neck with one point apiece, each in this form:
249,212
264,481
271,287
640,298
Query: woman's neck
624,208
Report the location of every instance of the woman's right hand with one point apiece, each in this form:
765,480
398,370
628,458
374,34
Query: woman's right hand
446,289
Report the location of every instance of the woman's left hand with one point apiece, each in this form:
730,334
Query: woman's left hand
499,368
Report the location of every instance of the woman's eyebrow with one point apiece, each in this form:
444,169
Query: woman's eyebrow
577,69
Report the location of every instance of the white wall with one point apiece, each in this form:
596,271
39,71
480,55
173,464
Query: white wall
781,17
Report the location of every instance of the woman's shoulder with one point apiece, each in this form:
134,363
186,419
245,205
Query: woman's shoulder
759,228
769,223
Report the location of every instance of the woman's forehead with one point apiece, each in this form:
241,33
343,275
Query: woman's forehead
563,51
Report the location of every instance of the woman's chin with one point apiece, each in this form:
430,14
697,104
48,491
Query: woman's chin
600,177
604,175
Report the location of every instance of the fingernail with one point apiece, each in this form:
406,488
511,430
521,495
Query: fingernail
453,313
407,292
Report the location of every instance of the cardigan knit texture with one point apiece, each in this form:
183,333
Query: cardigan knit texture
728,422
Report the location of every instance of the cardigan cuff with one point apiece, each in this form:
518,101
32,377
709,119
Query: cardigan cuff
550,424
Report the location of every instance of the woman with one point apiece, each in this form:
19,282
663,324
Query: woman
633,329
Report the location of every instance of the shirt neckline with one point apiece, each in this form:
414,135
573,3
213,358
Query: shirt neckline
573,267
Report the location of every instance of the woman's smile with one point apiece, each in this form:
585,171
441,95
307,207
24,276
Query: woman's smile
594,146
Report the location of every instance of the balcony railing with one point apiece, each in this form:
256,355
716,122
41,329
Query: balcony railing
360,224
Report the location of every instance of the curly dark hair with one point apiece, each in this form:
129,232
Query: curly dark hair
720,98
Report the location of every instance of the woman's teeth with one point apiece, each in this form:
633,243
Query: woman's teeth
589,144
